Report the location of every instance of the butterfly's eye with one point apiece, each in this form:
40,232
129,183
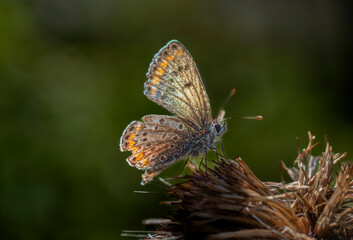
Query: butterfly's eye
217,127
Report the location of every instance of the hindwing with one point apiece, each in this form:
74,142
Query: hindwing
156,143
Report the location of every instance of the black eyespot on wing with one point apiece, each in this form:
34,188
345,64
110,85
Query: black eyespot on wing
180,126
187,85
161,121
173,46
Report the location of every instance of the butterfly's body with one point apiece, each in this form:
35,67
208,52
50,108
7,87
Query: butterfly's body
160,141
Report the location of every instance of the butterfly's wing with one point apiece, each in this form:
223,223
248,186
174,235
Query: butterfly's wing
156,143
175,84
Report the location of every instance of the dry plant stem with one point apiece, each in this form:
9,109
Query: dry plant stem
230,202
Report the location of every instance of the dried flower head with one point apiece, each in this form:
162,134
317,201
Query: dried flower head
230,202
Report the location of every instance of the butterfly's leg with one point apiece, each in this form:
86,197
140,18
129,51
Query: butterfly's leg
222,146
215,150
206,167
183,167
220,141
203,158
217,154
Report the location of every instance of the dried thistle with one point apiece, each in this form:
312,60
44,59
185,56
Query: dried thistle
230,202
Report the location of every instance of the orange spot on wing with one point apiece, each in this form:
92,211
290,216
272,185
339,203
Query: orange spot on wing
179,53
154,91
144,162
155,80
132,136
146,177
151,175
138,127
164,64
134,149
131,144
138,156
170,58
160,71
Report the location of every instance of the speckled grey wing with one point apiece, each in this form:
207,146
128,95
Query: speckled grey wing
175,84
156,143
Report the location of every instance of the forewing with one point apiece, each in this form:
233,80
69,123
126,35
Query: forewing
175,84
156,143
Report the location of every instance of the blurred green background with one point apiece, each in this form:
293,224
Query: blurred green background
71,79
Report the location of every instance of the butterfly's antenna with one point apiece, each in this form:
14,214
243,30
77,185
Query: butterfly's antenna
222,112
227,99
259,117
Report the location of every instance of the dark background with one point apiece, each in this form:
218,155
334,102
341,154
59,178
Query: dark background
71,79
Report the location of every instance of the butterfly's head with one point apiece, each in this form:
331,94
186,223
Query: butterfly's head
219,124
220,128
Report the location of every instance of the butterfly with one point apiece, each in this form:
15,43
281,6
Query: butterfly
159,141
